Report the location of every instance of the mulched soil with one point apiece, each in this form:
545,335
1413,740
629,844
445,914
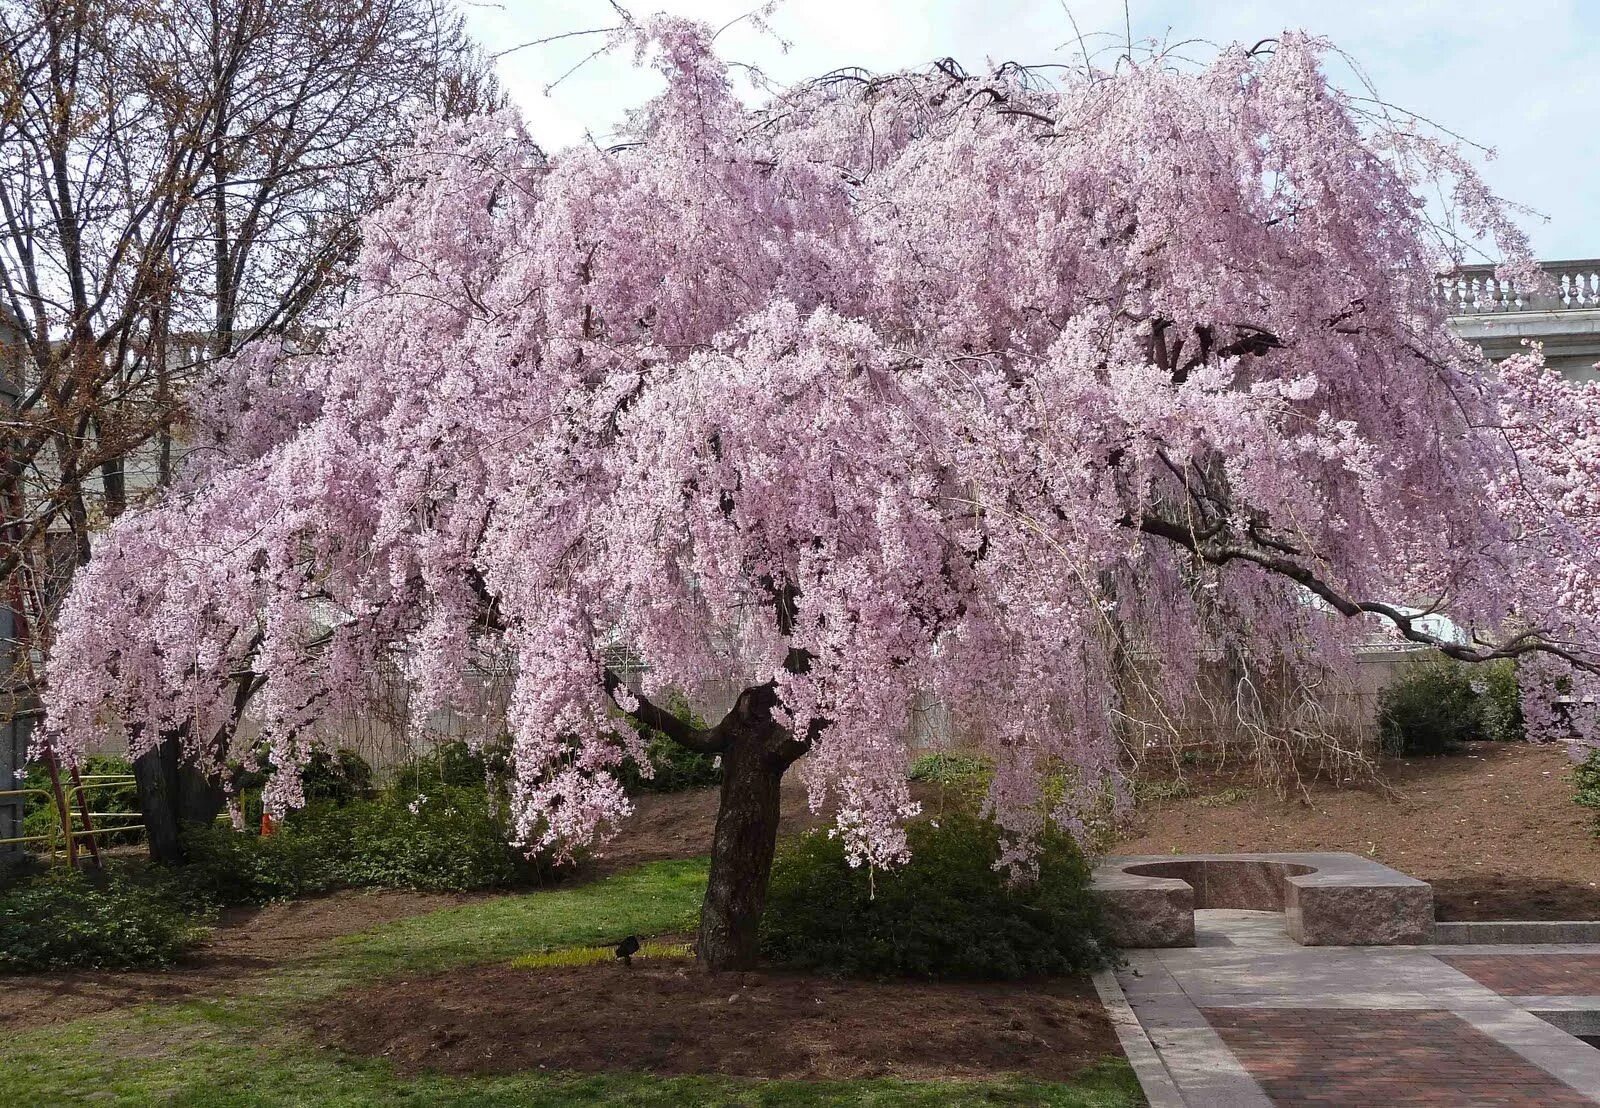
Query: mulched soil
247,941
1499,897
1494,829
668,1018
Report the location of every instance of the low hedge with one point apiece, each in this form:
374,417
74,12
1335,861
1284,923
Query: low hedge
948,912
447,839
227,867
103,921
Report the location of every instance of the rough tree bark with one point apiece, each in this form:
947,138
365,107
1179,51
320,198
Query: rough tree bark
173,791
155,774
755,751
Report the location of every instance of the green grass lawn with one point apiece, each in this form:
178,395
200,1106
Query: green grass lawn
246,1050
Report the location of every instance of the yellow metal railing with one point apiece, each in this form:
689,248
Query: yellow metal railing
55,827
68,829
76,803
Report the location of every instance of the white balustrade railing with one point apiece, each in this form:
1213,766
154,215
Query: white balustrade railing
1475,290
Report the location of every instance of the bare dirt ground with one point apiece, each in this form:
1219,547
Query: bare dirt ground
666,1018
1494,829
247,941
679,825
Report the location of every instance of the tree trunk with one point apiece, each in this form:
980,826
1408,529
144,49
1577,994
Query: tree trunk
755,752
754,758
155,775
200,798
172,792
741,856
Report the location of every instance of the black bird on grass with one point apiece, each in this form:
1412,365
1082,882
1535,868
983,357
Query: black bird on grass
627,948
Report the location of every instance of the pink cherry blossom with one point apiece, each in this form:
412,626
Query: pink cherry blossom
1024,398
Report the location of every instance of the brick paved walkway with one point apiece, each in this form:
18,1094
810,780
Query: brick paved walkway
1247,1018
1382,1056
1532,975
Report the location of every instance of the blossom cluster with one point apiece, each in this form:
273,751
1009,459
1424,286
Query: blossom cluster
1027,398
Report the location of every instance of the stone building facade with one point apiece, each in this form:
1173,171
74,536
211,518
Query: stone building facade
1500,318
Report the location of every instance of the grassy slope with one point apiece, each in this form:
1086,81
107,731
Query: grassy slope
245,1049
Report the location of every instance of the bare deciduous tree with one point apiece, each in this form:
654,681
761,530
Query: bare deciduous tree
177,180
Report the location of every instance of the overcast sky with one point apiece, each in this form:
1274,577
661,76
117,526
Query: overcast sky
1521,76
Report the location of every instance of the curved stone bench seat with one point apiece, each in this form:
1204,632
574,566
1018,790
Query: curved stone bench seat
1331,899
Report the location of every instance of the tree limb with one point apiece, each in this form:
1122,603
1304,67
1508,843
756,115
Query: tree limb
698,739
1405,623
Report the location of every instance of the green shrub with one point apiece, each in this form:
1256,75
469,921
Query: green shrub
40,815
946,913
457,765
447,839
1586,779
963,772
1431,709
452,764
1502,701
67,919
229,867
339,775
17,866
676,768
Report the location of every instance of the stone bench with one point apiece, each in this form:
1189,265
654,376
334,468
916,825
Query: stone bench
1327,899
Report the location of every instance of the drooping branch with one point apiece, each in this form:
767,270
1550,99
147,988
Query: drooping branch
1221,553
752,710
701,740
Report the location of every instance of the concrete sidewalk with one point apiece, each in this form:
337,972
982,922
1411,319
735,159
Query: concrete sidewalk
1248,1017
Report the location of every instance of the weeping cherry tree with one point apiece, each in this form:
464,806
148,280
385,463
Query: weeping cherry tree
988,391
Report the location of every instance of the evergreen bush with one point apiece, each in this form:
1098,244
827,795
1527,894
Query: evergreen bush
1433,707
68,919
948,912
